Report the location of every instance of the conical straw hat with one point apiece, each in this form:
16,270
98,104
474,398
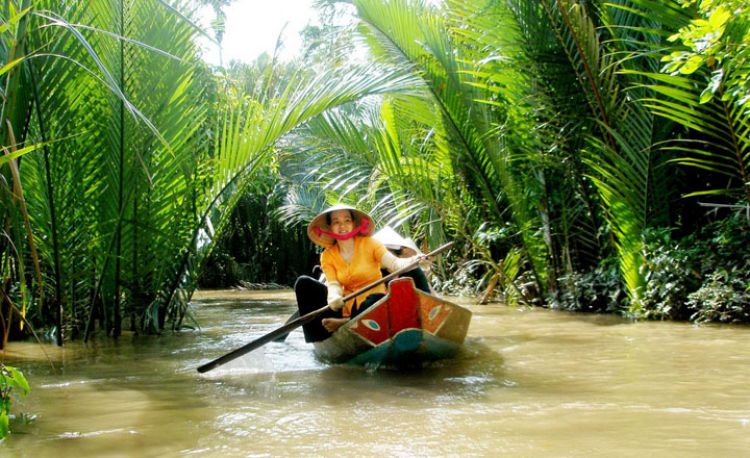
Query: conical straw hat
319,222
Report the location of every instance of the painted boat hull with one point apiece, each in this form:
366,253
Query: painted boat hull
405,328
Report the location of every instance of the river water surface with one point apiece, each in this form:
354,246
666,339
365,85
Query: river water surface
530,382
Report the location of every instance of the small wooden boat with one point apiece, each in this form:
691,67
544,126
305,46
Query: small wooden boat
406,327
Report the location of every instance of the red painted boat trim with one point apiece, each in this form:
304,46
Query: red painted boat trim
402,308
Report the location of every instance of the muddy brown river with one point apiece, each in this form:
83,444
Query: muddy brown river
529,383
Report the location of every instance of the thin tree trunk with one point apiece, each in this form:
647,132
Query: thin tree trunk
116,323
6,312
53,213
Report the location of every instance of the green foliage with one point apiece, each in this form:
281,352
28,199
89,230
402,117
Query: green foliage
724,297
474,125
703,276
465,281
542,119
256,247
12,382
718,41
19,258
671,274
725,264
144,153
540,134
705,90
598,290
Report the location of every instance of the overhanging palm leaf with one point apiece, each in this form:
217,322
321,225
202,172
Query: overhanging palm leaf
394,158
723,126
719,128
249,133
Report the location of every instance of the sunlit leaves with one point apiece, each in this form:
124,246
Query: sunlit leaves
718,41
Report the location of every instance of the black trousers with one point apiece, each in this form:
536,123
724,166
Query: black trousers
313,294
420,279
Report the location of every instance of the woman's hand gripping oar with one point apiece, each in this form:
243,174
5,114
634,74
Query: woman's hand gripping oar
295,323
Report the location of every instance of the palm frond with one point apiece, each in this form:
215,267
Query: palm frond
415,36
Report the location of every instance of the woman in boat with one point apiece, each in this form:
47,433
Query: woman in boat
351,260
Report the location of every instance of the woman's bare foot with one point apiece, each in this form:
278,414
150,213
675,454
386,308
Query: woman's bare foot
332,324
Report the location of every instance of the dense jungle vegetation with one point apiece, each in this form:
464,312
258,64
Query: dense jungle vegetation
584,154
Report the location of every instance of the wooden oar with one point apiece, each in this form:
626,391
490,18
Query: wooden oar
294,316
294,324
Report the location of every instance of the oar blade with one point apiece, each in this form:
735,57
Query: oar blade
282,338
262,340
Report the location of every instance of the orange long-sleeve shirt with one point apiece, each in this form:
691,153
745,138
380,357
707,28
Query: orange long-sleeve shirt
360,272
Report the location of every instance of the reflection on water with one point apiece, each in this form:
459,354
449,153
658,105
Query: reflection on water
527,383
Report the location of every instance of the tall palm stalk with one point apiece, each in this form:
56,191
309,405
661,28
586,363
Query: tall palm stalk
84,92
15,232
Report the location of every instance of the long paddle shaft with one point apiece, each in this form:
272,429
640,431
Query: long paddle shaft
294,324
